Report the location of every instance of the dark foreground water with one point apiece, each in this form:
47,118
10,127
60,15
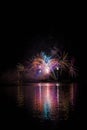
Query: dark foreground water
40,106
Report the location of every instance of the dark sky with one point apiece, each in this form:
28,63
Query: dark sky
20,40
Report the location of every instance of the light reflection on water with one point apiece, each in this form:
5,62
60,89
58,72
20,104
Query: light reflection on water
47,101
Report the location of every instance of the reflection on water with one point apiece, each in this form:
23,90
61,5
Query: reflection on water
20,94
48,101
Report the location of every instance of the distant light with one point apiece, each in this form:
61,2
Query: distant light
57,68
39,84
47,70
39,71
39,66
57,84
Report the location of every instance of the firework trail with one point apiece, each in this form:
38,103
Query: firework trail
73,71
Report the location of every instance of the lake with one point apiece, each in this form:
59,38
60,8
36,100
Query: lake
40,105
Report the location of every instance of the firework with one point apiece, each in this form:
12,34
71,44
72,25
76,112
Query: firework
43,66
73,71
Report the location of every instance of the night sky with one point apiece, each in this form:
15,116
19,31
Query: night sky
20,41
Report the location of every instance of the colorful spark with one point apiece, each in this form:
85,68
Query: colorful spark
44,66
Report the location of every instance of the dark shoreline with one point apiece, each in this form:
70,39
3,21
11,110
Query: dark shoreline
46,81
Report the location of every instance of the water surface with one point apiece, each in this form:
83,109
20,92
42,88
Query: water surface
45,105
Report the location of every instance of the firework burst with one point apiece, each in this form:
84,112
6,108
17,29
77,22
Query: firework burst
43,66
